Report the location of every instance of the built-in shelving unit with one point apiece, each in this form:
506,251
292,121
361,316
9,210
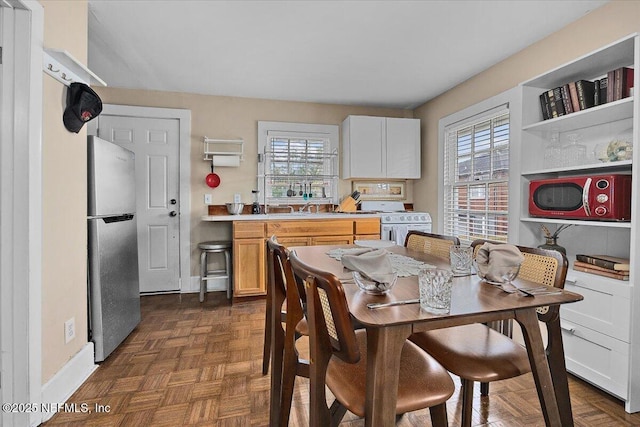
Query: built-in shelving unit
601,333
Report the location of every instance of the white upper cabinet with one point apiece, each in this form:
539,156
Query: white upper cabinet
380,147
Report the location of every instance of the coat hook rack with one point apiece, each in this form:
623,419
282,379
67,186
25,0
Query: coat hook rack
63,67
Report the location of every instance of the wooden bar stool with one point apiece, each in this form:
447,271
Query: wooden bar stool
215,247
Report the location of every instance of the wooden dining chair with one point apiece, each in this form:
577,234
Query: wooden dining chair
479,353
338,359
433,244
280,343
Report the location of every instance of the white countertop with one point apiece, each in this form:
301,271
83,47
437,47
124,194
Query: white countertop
286,216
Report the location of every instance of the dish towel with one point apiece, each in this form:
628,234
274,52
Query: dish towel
491,258
372,264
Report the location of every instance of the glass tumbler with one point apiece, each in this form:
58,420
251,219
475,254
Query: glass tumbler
435,290
461,258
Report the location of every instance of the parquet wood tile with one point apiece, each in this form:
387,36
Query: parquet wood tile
192,364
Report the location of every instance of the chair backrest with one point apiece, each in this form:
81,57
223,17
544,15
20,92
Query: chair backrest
330,327
543,266
433,244
280,276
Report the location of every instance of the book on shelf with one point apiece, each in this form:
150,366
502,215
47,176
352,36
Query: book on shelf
566,99
586,91
623,82
557,95
611,81
544,105
602,272
596,267
552,103
573,92
604,86
605,261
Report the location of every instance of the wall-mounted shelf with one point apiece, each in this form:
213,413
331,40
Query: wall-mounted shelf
63,67
223,152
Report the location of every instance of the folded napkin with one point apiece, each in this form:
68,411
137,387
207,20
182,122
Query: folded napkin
373,264
491,260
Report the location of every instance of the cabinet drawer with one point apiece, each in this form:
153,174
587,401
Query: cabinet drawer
310,228
248,229
367,226
599,359
606,307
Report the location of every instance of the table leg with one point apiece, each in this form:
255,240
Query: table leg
528,320
555,355
384,346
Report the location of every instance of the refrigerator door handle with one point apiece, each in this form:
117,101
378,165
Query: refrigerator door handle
113,218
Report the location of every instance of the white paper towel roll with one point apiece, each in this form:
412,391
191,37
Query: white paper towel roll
231,161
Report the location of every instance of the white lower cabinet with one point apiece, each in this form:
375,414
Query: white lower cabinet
597,358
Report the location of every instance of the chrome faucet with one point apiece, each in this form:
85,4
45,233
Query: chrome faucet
305,206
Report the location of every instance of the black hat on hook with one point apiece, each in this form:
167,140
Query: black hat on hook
83,104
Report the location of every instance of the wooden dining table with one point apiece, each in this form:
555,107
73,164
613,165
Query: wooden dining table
472,301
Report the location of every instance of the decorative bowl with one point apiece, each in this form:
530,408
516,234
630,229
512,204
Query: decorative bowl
373,287
235,208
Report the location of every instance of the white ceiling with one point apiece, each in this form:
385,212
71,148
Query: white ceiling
395,54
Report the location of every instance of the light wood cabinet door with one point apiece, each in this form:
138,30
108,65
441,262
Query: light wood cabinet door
249,267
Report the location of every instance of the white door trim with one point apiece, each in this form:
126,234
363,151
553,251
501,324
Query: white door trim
184,175
21,191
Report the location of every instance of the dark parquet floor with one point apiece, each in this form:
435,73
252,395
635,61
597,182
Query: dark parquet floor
192,364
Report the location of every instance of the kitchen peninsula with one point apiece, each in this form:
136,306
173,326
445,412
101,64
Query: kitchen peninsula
250,233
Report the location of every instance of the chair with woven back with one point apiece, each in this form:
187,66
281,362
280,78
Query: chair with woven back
338,359
434,244
280,343
478,353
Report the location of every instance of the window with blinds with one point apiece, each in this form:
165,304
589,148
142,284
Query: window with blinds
476,178
298,163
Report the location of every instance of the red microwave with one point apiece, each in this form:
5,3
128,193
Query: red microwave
597,197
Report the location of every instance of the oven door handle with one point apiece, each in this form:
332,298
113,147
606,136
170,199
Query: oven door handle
585,197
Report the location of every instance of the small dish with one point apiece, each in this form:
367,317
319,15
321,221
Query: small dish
373,287
377,244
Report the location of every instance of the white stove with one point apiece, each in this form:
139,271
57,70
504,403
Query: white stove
395,222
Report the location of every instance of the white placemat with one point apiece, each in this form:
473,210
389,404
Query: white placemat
401,264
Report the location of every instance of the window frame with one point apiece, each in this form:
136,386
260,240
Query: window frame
511,100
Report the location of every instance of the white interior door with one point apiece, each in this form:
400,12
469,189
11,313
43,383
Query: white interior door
155,143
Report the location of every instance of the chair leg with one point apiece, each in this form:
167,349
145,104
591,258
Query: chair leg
467,403
484,389
203,274
266,350
438,415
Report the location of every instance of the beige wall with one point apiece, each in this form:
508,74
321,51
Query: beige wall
64,252
603,26
230,118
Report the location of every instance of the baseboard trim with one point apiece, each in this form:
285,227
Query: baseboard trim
68,379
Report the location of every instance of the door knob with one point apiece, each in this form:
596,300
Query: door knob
172,213
173,201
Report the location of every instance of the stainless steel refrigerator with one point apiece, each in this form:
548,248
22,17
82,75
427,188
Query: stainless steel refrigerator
113,286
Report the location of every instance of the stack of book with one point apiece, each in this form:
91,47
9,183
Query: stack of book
583,94
603,265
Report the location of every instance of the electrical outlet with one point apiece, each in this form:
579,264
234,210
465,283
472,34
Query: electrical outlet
69,330
208,199
237,198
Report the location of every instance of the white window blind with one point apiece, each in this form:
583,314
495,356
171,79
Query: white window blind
476,178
